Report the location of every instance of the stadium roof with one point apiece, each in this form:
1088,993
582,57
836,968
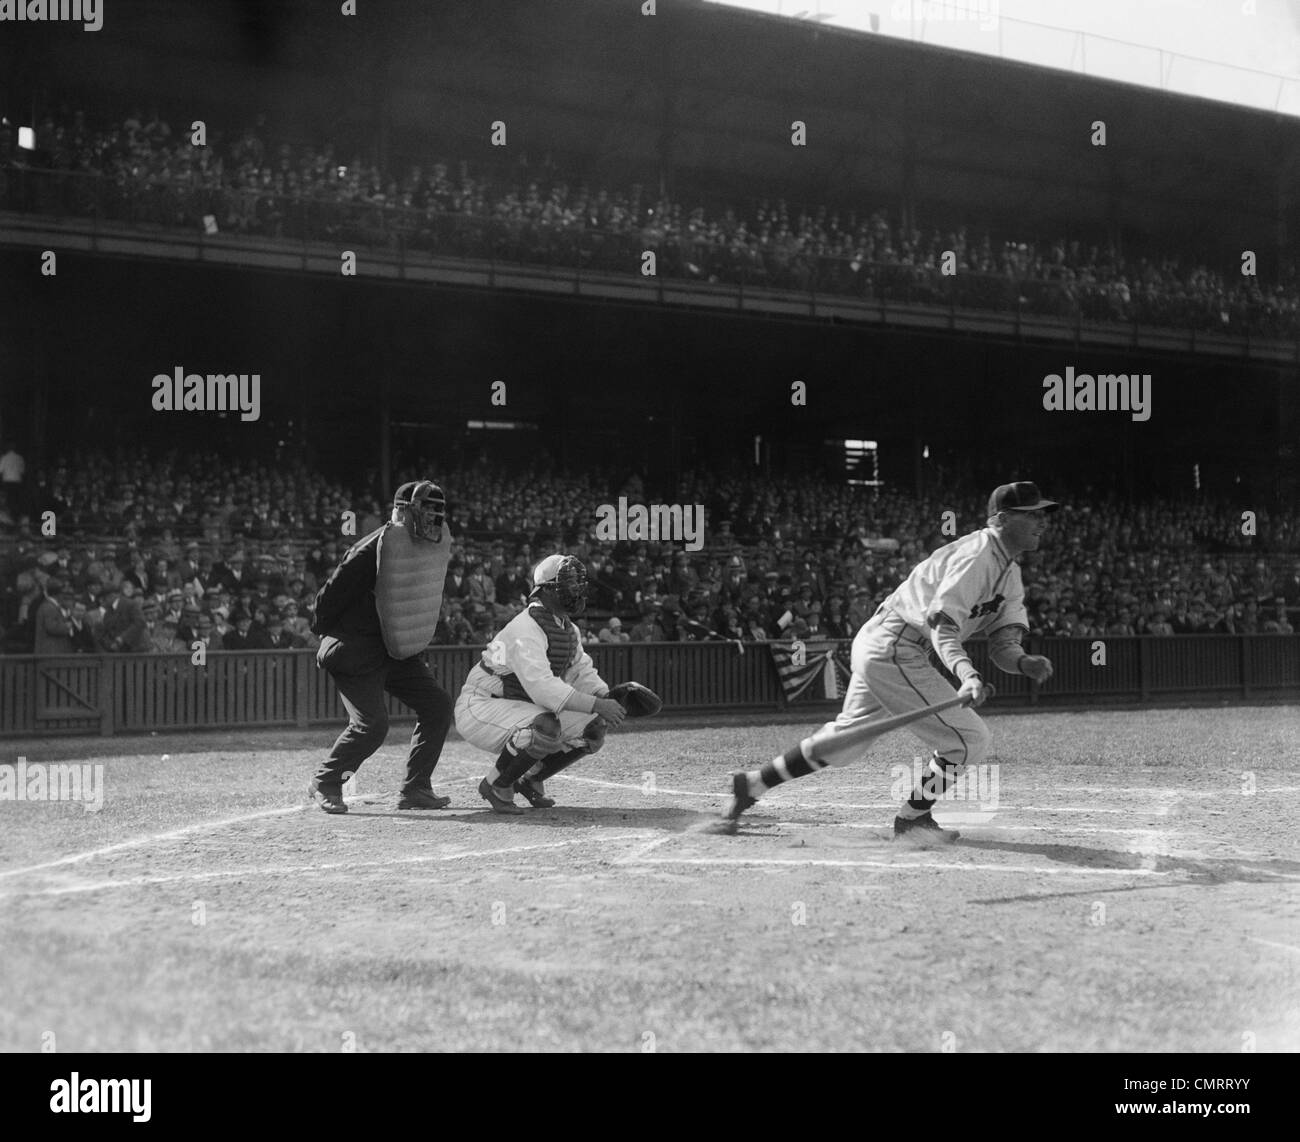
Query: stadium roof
1242,53
709,93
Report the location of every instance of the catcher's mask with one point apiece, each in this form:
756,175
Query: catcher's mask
425,508
562,580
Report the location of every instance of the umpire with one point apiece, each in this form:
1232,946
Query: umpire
376,614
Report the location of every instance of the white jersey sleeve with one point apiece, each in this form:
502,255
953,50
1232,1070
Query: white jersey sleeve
584,677
1013,612
967,586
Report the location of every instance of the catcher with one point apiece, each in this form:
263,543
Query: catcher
375,614
535,700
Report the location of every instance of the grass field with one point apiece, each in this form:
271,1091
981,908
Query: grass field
1126,891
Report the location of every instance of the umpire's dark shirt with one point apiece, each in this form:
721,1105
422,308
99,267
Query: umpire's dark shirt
352,641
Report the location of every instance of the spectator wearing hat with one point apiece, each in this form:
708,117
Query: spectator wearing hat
1278,623
263,586
613,631
754,622
814,621
736,580
164,639
206,634
164,578
453,628
457,582
623,582
1261,587
188,566
1159,625
122,630
152,614
269,575
649,629
514,583
18,613
174,606
835,623
230,573
298,624
684,578
285,559
279,637
221,622
52,625
480,586
1089,627
244,635
83,633
136,572
1289,590
188,622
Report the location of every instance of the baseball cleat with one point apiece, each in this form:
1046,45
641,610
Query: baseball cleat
923,832
329,802
501,800
533,790
739,802
422,799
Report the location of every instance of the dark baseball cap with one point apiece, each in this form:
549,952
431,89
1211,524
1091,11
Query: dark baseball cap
1019,497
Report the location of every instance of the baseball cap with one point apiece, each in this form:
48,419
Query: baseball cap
1019,497
547,569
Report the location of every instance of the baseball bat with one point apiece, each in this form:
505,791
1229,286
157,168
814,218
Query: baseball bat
822,742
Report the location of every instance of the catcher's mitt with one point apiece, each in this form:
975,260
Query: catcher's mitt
639,701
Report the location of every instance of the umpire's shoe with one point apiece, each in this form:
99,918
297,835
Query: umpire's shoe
533,790
422,799
331,800
501,800
923,832
740,801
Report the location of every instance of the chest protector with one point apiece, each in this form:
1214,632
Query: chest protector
409,576
562,646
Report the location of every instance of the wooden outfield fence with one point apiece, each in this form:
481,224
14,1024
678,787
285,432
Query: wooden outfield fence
107,694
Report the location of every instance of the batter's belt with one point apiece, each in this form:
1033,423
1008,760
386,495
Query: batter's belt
891,621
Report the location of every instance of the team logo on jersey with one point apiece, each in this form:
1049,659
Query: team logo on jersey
990,608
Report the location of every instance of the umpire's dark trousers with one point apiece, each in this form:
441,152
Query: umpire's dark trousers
411,681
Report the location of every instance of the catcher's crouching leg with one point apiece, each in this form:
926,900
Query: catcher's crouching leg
523,750
531,784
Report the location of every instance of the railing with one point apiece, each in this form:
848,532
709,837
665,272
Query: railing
412,237
137,693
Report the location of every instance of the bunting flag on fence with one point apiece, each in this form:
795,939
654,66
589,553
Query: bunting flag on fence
800,664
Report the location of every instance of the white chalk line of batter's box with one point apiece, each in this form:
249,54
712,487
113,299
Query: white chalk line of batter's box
899,866
154,838
1234,790
1273,944
333,866
1001,828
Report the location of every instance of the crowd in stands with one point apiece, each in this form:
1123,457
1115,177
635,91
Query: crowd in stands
154,552
246,182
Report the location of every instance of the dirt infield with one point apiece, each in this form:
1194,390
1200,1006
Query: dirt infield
1133,886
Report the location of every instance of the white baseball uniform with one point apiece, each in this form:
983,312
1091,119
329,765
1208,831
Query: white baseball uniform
976,585
535,665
